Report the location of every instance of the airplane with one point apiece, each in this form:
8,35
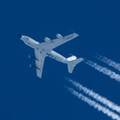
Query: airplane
45,49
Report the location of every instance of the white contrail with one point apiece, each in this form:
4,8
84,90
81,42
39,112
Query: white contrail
96,96
95,105
104,70
108,61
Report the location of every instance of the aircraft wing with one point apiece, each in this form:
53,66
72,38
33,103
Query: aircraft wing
57,42
39,63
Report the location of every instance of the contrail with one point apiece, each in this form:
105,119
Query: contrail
104,70
95,105
96,96
108,61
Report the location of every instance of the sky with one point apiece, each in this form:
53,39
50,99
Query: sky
24,96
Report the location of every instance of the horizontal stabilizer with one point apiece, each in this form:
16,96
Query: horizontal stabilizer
75,62
70,68
72,64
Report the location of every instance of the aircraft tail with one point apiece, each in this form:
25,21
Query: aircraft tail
72,62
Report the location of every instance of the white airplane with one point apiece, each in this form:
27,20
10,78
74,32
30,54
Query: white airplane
44,49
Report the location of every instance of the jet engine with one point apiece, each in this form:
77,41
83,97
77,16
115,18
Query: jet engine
59,36
33,67
33,58
47,39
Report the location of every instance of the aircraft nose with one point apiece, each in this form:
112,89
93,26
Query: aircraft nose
19,35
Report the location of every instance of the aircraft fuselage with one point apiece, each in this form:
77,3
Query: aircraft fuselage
44,49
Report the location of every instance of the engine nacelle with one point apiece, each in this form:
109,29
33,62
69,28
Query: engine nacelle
47,39
59,36
33,58
33,67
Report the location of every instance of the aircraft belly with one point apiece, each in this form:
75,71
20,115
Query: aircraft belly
60,59
56,56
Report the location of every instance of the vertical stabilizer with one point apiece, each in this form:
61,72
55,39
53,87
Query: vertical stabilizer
73,63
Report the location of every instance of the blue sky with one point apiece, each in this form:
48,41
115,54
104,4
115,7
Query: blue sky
23,95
